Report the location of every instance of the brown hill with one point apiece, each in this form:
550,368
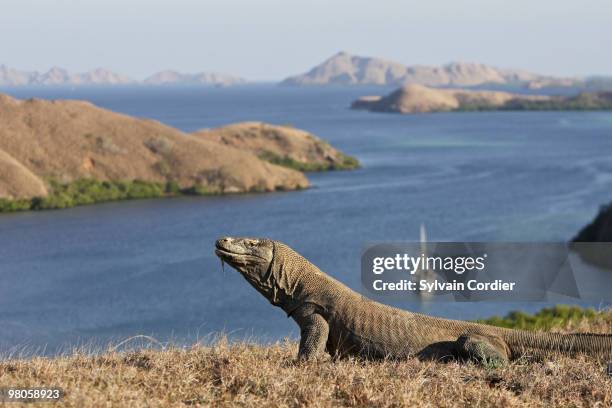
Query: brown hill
70,140
282,145
16,181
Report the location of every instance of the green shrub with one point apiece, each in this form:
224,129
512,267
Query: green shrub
172,187
53,201
545,319
197,189
7,205
346,162
144,189
89,191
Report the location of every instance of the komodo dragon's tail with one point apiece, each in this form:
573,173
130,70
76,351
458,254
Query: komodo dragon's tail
537,344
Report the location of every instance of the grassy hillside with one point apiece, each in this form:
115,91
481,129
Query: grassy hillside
59,154
69,141
253,375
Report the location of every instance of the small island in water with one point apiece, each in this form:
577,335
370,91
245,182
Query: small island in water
59,154
422,99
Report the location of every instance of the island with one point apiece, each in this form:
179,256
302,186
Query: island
421,99
347,69
63,153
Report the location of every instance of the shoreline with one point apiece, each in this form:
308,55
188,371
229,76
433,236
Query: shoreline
116,191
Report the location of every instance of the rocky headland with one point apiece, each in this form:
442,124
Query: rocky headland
598,235
282,145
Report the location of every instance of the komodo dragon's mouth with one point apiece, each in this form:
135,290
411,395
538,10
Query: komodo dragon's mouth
226,254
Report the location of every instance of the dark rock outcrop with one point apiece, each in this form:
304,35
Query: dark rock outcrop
598,231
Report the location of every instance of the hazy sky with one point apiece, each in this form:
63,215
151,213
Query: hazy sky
270,39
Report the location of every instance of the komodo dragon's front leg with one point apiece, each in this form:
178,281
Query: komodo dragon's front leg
314,330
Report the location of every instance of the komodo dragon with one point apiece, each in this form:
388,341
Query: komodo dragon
334,318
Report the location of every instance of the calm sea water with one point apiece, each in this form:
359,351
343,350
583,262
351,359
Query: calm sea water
102,273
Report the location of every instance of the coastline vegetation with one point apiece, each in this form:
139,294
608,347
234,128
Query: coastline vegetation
584,101
546,319
90,191
346,163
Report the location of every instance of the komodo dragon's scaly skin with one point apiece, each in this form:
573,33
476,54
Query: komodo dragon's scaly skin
336,319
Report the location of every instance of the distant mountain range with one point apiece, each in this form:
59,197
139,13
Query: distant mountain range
203,78
346,69
340,69
60,76
10,77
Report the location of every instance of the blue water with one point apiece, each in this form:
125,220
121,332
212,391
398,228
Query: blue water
102,273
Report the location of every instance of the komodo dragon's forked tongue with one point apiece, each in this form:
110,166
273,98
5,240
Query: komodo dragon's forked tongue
336,319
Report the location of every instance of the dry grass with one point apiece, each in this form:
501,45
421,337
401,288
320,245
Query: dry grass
242,374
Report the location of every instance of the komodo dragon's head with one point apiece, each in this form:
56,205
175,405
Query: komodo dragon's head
269,266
